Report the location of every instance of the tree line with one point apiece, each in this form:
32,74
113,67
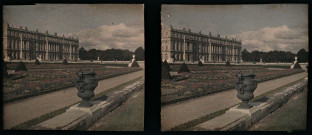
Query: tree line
111,54
275,56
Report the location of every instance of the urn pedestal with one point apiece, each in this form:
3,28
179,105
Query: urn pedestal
86,83
245,85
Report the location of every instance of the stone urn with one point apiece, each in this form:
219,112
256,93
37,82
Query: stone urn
86,83
245,85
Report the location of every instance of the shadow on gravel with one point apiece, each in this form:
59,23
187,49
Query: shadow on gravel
262,100
102,98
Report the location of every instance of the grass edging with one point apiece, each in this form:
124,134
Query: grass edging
28,124
210,116
56,89
198,121
220,90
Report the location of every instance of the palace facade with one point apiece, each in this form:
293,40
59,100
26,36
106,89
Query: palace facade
23,44
188,46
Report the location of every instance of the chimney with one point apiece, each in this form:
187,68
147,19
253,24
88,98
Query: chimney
55,34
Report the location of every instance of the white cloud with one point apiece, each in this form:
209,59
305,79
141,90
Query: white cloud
118,36
282,38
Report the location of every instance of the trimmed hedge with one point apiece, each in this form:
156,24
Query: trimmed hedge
200,64
167,65
165,71
37,62
135,64
183,68
227,63
21,67
297,65
4,69
65,61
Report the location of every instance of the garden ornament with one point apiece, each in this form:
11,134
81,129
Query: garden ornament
86,83
245,85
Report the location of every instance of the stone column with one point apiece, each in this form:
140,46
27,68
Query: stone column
209,51
70,52
21,47
47,50
233,51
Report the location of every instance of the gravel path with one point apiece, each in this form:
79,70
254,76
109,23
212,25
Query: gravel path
185,111
21,111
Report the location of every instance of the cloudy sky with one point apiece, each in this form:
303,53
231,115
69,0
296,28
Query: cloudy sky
260,27
99,26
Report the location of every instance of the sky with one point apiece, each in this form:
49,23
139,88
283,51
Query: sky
263,27
98,26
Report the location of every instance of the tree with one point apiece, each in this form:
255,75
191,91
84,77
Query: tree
246,55
139,54
82,53
303,55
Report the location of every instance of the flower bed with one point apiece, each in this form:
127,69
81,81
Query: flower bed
40,79
206,80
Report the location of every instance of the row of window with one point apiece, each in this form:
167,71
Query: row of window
178,46
202,39
36,36
15,44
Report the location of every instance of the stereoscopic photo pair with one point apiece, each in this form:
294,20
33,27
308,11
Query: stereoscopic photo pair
223,67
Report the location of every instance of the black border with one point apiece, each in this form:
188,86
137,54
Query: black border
152,19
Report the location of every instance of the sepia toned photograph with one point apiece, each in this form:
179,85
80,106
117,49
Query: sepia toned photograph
234,67
73,67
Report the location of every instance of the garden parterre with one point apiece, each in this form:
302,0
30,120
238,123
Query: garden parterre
212,78
50,77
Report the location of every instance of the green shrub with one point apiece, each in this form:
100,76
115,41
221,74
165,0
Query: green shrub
297,65
21,67
135,64
200,64
65,61
37,62
183,68
165,71
4,69
167,65
227,63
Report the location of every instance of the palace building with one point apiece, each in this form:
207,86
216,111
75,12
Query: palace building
23,44
188,46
